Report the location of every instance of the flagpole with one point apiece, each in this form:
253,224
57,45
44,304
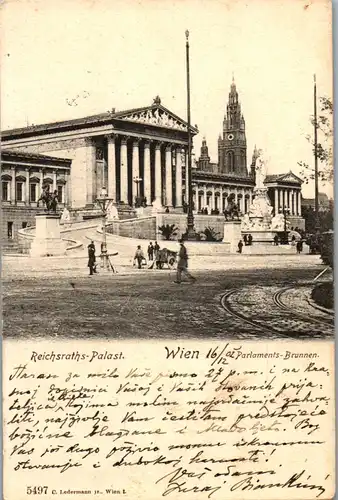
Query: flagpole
316,152
190,219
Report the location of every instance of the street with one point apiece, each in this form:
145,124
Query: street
232,303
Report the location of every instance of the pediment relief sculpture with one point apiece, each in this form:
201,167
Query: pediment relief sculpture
156,116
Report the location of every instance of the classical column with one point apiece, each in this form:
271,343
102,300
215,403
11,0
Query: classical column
135,168
288,199
124,172
299,194
27,200
280,195
111,188
213,198
66,189
205,196
90,170
146,173
292,207
178,177
276,201
250,198
158,175
13,193
54,180
168,177
236,196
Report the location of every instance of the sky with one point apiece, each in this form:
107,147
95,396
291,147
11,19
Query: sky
69,59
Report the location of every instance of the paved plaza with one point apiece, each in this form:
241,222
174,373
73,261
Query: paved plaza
235,297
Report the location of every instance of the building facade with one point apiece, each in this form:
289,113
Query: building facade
213,182
22,177
135,152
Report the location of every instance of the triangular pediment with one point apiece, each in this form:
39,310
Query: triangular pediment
155,115
290,177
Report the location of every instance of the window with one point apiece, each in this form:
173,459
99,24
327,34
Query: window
19,191
5,191
60,194
231,161
10,230
24,225
32,192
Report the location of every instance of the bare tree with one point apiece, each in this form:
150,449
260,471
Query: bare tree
324,145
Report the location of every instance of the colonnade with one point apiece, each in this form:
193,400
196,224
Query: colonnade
215,197
288,198
154,167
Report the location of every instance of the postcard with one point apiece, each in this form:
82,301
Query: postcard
167,240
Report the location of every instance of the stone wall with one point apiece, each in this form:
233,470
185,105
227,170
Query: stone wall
201,222
20,216
143,228
147,227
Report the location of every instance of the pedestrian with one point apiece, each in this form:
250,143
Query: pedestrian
139,256
91,258
240,246
245,239
299,246
156,253
276,240
182,265
250,239
150,251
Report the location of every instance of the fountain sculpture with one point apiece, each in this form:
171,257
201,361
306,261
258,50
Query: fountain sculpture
260,222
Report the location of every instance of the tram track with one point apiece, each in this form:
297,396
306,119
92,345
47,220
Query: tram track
300,322
224,301
277,298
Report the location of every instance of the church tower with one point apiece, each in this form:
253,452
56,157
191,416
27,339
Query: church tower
204,159
232,145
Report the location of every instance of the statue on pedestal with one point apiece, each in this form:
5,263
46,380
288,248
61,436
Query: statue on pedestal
260,173
112,213
65,216
232,210
49,199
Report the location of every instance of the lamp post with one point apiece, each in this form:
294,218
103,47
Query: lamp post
137,181
104,202
315,124
190,234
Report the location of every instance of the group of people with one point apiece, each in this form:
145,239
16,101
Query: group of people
153,255
248,239
152,252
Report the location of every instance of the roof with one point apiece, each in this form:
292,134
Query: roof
87,121
24,155
222,177
285,177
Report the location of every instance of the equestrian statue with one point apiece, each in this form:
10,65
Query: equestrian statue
231,211
49,199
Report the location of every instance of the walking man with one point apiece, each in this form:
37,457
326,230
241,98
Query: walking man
91,258
139,256
150,251
182,265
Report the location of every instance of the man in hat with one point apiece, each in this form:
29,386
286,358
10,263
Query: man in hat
182,265
91,258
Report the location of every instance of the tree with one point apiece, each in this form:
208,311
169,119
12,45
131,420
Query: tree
168,231
324,144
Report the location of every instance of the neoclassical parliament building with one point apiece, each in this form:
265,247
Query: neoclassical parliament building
138,152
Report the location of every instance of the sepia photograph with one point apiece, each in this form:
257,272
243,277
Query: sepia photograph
167,175
167,249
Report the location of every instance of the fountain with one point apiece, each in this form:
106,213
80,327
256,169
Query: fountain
259,222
